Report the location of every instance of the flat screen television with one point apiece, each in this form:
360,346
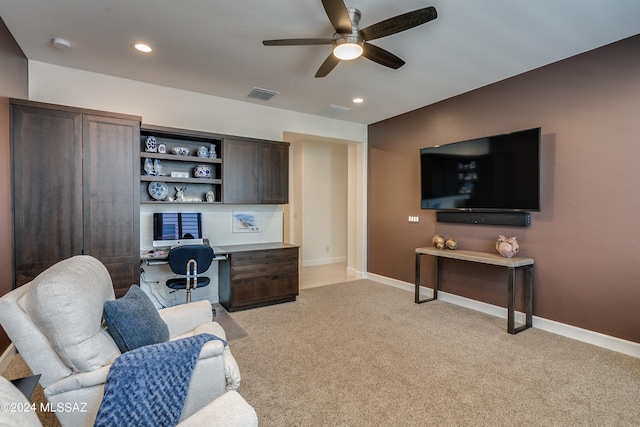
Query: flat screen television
176,229
495,173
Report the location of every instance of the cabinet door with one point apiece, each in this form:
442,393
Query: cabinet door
241,162
274,173
46,152
112,197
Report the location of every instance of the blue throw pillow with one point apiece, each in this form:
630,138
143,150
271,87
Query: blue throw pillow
134,322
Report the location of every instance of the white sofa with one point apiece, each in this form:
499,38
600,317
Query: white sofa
55,322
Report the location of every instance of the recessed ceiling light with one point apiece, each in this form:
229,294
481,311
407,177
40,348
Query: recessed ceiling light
358,100
61,43
142,47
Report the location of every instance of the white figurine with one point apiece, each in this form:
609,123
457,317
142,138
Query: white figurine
180,194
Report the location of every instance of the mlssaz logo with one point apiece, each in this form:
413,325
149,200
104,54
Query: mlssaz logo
63,407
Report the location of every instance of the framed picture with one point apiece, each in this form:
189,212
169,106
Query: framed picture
246,222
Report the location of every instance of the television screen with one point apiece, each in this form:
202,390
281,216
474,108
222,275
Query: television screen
496,173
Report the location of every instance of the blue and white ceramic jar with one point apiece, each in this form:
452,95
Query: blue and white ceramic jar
150,145
202,171
203,152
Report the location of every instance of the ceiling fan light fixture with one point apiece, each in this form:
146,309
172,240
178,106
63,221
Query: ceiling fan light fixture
348,47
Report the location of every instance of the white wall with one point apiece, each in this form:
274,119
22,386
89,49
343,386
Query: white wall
323,207
166,106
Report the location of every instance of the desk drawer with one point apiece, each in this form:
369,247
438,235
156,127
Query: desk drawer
260,277
263,263
259,291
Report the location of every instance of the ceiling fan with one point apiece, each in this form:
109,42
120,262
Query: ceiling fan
350,41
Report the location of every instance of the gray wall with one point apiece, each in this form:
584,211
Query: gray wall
586,239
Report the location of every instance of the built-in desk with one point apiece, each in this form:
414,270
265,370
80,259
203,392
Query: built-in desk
250,275
159,256
512,264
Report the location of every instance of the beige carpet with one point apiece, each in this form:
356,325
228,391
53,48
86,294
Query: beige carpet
363,354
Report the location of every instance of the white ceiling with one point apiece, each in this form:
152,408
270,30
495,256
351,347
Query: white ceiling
215,47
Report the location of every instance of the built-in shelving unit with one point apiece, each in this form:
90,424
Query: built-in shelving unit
195,188
243,171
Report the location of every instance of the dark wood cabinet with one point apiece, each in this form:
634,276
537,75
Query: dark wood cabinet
75,189
256,172
46,149
111,203
246,170
255,278
274,173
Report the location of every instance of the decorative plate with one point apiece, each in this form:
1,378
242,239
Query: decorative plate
159,190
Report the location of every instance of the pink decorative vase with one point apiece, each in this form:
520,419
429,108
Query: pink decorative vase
507,247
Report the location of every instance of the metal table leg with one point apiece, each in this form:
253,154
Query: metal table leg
512,301
529,295
435,280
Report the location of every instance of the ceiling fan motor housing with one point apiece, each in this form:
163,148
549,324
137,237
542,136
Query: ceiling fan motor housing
349,46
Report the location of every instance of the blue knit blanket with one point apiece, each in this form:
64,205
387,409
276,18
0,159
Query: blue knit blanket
148,386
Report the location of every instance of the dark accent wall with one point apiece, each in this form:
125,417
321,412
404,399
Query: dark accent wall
14,83
586,239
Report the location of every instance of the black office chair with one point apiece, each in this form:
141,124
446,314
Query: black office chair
189,261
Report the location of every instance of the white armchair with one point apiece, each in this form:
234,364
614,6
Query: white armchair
228,410
55,322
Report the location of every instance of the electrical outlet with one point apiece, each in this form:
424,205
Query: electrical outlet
413,218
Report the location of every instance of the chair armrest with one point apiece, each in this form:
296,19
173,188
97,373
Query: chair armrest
99,376
186,317
231,370
216,348
78,381
211,349
16,410
230,409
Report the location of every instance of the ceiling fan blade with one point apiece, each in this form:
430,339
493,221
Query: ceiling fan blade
338,15
296,42
328,65
399,23
381,56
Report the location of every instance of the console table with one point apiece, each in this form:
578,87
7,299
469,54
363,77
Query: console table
512,264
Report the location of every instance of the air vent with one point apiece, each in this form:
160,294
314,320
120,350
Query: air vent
262,94
334,110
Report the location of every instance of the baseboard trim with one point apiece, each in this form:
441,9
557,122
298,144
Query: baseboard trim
323,261
6,357
353,272
590,337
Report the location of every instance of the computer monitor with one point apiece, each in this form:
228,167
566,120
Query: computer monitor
176,229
